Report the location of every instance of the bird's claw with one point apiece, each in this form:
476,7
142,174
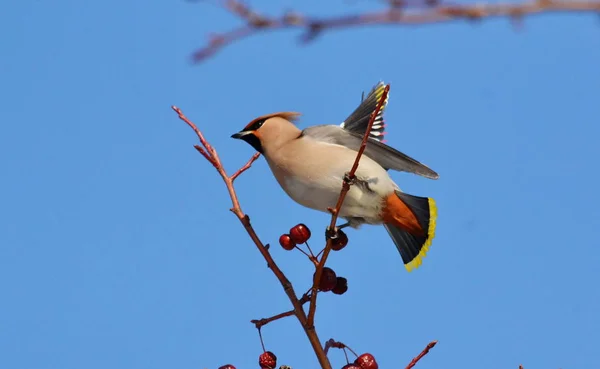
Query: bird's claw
331,233
349,179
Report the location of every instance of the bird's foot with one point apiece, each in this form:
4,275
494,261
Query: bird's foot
330,233
333,233
349,179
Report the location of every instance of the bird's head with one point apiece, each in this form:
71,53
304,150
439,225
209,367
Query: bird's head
269,130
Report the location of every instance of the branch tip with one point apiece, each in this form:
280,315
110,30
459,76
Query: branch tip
414,361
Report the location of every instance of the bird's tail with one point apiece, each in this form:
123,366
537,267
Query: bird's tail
410,222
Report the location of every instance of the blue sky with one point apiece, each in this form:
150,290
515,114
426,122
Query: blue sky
117,248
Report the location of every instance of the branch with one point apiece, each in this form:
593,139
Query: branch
211,155
259,323
398,13
414,361
348,180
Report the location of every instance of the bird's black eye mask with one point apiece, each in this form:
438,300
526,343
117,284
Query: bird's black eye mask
256,125
253,141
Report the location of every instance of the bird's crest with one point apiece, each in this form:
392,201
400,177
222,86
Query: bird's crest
288,115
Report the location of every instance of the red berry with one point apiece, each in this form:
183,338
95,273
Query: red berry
286,242
340,241
351,366
300,233
328,279
267,360
366,361
341,286
227,366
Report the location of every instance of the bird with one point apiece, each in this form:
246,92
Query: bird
310,164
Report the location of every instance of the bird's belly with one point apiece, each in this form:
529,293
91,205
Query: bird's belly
358,203
310,194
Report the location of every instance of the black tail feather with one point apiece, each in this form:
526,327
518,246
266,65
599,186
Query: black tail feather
413,248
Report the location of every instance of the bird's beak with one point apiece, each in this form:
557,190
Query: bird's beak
240,134
250,138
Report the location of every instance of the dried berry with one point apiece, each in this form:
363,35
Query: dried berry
267,360
366,361
328,279
340,241
341,286
227,366
286,242
300,233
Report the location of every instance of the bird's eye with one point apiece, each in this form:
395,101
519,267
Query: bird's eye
256,125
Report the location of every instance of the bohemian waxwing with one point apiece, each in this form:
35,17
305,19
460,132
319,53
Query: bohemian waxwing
310,165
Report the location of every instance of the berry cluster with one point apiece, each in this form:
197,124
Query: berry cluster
331,282
300,234
268,360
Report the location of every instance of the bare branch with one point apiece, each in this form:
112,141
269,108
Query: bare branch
245,167
398,13
348,180
259,323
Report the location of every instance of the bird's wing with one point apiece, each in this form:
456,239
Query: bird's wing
358,121
386,156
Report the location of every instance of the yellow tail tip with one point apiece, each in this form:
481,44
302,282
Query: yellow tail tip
418,260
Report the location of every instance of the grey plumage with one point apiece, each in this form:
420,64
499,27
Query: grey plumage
386,156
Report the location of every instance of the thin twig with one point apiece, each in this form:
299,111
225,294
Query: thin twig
310,257
335,212
261,322
346,355
310,250
414,361
352,351
213,157
331,343
245,167
397,13
262,343
305,298
205,154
